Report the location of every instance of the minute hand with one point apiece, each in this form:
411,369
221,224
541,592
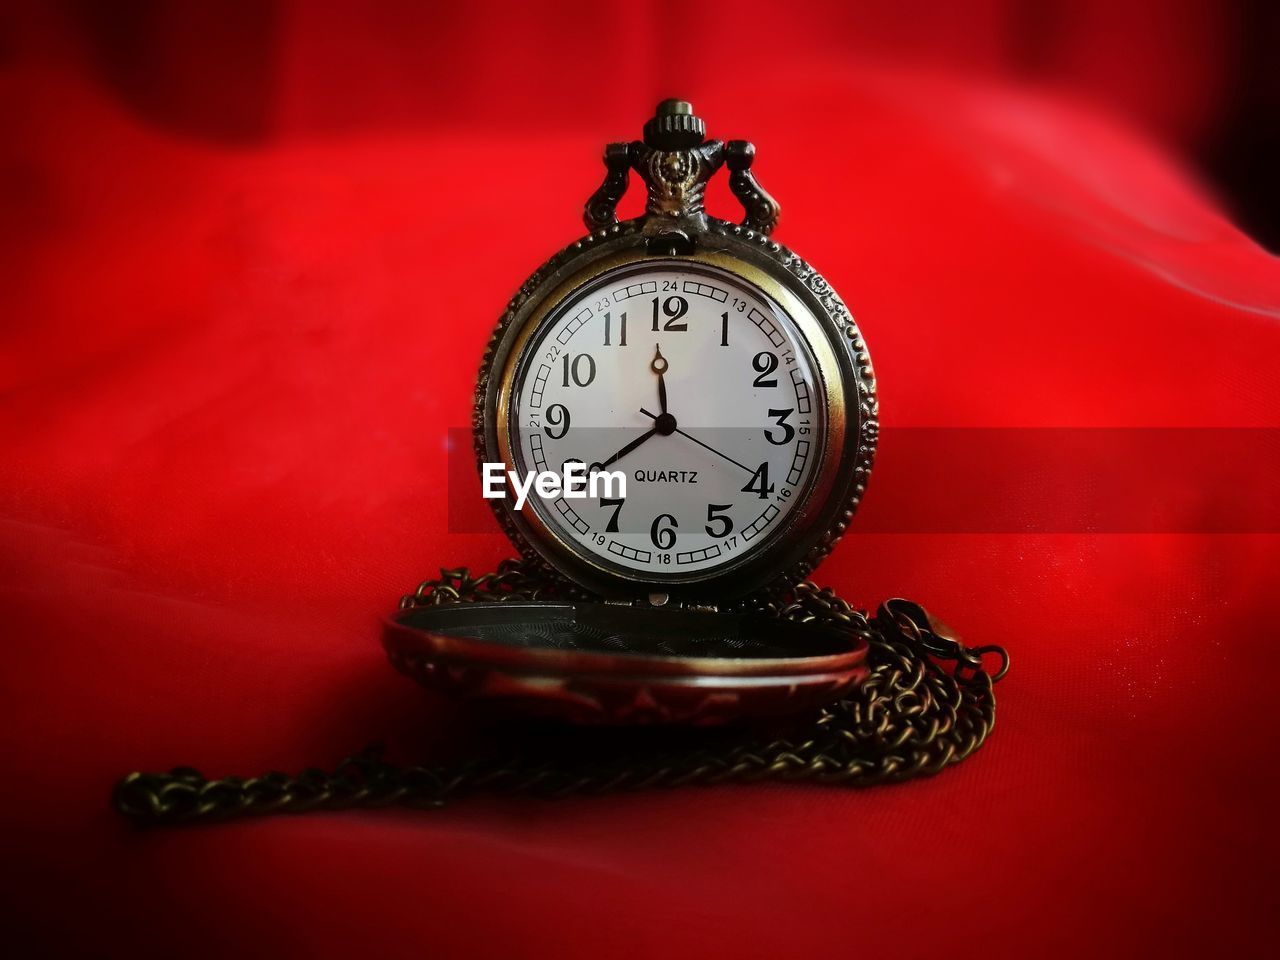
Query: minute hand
689,436
624,451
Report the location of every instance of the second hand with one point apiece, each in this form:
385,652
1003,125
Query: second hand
688,436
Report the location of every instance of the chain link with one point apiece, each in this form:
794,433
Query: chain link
911,717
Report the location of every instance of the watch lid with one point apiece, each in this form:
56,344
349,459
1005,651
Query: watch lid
616,663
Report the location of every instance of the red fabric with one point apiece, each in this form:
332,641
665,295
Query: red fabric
229,367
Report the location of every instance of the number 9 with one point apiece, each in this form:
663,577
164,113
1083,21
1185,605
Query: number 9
557,414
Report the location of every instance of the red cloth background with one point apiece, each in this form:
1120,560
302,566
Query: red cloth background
251,254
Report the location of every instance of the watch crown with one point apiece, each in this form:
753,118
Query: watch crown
674,126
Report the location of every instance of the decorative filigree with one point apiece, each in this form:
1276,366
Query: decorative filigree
762,210
601,208
675,163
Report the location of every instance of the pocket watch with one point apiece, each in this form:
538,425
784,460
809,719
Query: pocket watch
724,387
722,376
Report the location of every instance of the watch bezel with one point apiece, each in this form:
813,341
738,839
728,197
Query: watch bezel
812,529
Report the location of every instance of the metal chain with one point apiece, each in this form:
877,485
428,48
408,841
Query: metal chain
909,718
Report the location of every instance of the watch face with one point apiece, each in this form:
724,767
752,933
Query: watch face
699,389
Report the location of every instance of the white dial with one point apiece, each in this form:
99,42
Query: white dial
694,384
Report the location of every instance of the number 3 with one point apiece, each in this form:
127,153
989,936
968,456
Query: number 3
788,431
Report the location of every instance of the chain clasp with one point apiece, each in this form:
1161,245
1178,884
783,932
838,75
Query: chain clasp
938,640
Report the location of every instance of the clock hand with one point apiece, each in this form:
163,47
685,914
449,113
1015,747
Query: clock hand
597,467
688,436
659,366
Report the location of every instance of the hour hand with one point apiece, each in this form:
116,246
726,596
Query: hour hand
659,366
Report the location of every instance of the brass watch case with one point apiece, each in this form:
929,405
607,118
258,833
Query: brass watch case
843,364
